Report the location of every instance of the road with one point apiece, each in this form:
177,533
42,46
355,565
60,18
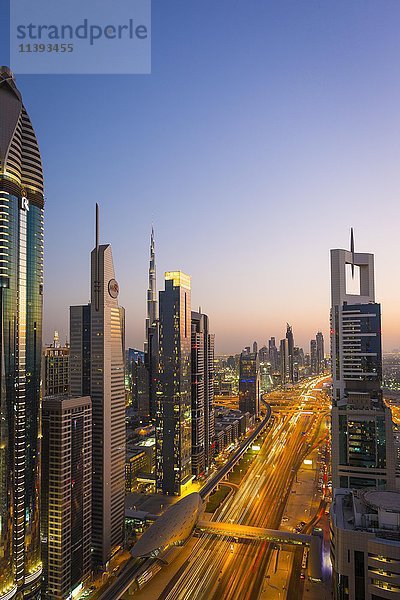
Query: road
223,569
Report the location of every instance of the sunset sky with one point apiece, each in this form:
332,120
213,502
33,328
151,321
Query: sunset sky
265,131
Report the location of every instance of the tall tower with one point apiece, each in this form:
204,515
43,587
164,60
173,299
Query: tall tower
249,383
202,393
362,438
290,339
320,353
174,398
284,361
97,361
21,294
152,331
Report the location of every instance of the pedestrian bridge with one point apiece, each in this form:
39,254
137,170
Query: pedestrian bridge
246,532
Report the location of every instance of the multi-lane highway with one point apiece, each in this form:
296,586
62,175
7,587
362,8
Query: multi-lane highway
223,568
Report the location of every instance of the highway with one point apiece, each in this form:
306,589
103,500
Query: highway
220,568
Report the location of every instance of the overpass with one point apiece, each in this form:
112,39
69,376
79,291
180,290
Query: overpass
247,532
235,458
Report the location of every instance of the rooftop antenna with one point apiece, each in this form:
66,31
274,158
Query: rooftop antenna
97,258
352,251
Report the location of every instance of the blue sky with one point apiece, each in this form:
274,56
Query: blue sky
266,129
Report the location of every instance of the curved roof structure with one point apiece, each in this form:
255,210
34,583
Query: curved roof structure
172,528
382,500
20,162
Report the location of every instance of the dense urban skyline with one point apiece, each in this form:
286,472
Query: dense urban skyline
287,107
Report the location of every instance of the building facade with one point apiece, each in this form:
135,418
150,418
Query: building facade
66,493
249,383
284,361
202,394
174,396
55,365
365,545
152,331
362,437
100,359
320,353
21,296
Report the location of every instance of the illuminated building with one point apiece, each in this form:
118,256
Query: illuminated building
55,366
152,331
97,358
202,393
313,356
365,544
249,383
174,398
273,355
290,340
284,361
362,437
320,353
21,298
66,494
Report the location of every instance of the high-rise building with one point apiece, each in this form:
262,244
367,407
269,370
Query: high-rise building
362,437
313,357
273,355
202,393
21,295
290,339
152,331
255,347
320,353
55,365
249,383
97,357
66,490
174,396
284,361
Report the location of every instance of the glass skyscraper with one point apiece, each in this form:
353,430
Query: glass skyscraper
21,290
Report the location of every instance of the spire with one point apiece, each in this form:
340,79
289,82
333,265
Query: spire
352,251
97,267
152,304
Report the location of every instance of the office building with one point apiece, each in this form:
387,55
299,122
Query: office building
202,393
365,544
152,332
97,358
273,356
362,437
313,357
290,340
174,396
55,365
284,361
21,299
249,383
66,490
320,353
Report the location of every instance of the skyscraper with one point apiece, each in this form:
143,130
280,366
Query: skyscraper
21,291
284,361
174,397
313,356
152,331
102,356
202,393
249,383
66,494
55,366
273,355
320,353
362,437
290,340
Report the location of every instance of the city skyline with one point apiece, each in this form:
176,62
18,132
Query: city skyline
293,139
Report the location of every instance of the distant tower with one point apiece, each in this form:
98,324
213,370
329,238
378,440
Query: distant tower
255,347
313,356
249,383
174,397
290,339
21,300
152,331
320,353
284,361
362,438
97,360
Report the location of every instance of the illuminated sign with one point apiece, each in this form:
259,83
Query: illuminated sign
24,203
